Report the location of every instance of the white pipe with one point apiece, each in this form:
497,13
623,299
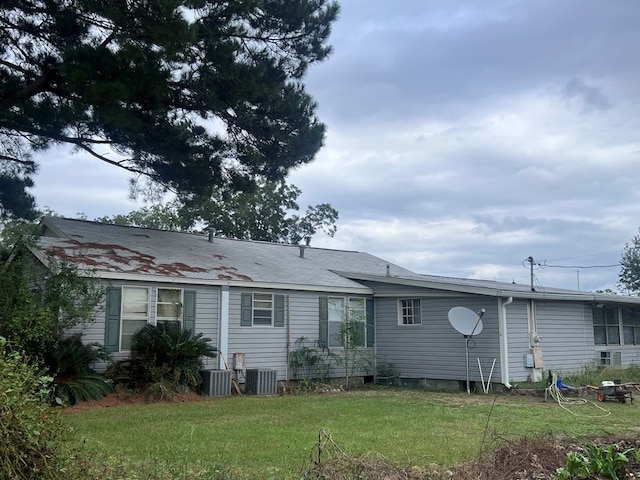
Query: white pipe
504,344
481,376
223,331
490,375
288,320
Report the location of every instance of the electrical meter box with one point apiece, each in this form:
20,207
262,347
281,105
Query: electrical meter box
528,360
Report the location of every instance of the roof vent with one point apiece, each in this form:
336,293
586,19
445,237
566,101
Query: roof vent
302,247
388,270
212,233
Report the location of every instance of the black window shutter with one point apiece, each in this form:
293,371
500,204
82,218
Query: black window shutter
370,323
278,310
189,311
112,319
323,333
246,319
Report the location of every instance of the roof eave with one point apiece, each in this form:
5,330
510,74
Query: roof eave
495,292
138,277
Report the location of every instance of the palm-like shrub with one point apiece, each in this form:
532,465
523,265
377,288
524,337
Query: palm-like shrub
168,355
75,380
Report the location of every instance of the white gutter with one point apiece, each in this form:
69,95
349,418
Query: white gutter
504,344
223,331
137,277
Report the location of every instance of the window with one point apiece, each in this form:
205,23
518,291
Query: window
332,312
336,313
409,312
262,310
631,326
169,306
127,311
339,310
357,313
606,328
135,313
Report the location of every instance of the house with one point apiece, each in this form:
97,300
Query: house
258,298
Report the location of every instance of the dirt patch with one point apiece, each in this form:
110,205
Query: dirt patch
123,398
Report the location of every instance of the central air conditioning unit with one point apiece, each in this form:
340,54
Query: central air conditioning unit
216,383
261,382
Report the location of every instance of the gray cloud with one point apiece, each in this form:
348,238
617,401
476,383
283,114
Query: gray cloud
464,137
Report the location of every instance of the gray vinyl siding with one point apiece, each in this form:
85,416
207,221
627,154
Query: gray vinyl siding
93,332
268,347
566,329
630,355
434,349
264,347
518,340
207,308
208,317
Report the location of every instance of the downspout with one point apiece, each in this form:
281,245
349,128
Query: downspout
288,320
504,344
223,331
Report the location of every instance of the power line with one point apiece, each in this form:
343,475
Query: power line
544,264
579,266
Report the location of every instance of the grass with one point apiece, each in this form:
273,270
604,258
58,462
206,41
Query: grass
273,437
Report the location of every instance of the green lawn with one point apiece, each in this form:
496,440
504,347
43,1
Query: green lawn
273,437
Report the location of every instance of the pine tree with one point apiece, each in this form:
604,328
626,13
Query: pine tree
194,95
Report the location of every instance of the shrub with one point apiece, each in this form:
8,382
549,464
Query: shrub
75,380
30,443
37,307
311,361
166,356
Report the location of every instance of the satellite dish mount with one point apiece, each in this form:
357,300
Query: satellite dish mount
468,323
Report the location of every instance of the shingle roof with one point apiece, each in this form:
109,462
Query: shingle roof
113,250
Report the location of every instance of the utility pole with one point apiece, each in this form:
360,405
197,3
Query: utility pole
530,260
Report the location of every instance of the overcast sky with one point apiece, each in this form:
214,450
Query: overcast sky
462,138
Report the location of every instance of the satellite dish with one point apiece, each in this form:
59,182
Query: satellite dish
468,323
465,321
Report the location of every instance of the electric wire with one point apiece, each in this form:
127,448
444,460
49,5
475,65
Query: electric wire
541,265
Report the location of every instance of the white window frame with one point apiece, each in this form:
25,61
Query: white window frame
262,305
409,315
343,308
128,317
179,319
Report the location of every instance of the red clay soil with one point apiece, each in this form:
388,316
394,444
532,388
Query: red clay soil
118,399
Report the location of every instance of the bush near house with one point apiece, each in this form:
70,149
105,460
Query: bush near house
38,306
165,359
75,380
30,433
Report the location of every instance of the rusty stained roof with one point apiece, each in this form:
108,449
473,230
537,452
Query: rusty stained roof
117,258
132,250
